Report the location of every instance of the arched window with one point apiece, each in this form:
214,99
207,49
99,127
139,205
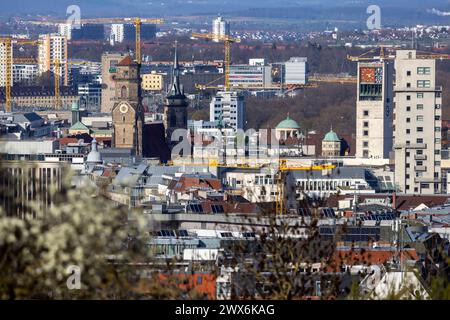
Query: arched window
123,92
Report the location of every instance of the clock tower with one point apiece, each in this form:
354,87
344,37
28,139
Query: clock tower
128,112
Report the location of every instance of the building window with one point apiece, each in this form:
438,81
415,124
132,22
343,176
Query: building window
419,140
419,129
437,129
408,98
437,118
423,83
437,141
408,131
420,107
424,70
366,113
419,118
408,85
365,144
408,120
408,73
365,133
366,124
408,109
419,95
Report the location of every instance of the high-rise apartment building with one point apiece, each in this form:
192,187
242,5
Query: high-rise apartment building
24,73
374,106
417,124
53,51
65,29
117,32
220,27
4,63
228,108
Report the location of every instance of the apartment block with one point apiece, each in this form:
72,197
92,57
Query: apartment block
417,124
153,81
53,51
374,109
228,109
3,63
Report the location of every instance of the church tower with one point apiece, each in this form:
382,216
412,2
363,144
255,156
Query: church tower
128,112
175,109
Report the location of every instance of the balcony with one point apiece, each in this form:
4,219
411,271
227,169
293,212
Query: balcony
420,168
410,146
420,157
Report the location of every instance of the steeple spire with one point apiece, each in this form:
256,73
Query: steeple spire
176,88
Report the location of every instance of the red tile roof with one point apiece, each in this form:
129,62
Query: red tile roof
126,62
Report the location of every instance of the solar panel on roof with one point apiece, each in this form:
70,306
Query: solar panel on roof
217,208
182,233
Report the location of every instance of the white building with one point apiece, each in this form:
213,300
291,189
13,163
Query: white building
25,73
52,50
417,135
250,76
117,33
374,110
296,70
220,27
229,109
65,30
3,63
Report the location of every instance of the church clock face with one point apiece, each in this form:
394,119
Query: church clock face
123,108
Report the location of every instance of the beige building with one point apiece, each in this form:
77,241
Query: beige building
331,145
3,63
417,124
152,81
40,97
109,69
51,52
31,183
374,110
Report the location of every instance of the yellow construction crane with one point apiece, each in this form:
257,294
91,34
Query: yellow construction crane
8,44
138,22
283,167
227,40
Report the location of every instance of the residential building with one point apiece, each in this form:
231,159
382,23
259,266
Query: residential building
374,107
153,81
65,30
3,62
53,56
117,33
228,107
417,124
24,74
220,28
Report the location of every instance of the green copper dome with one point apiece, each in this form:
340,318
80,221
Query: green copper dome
331,137
288,123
